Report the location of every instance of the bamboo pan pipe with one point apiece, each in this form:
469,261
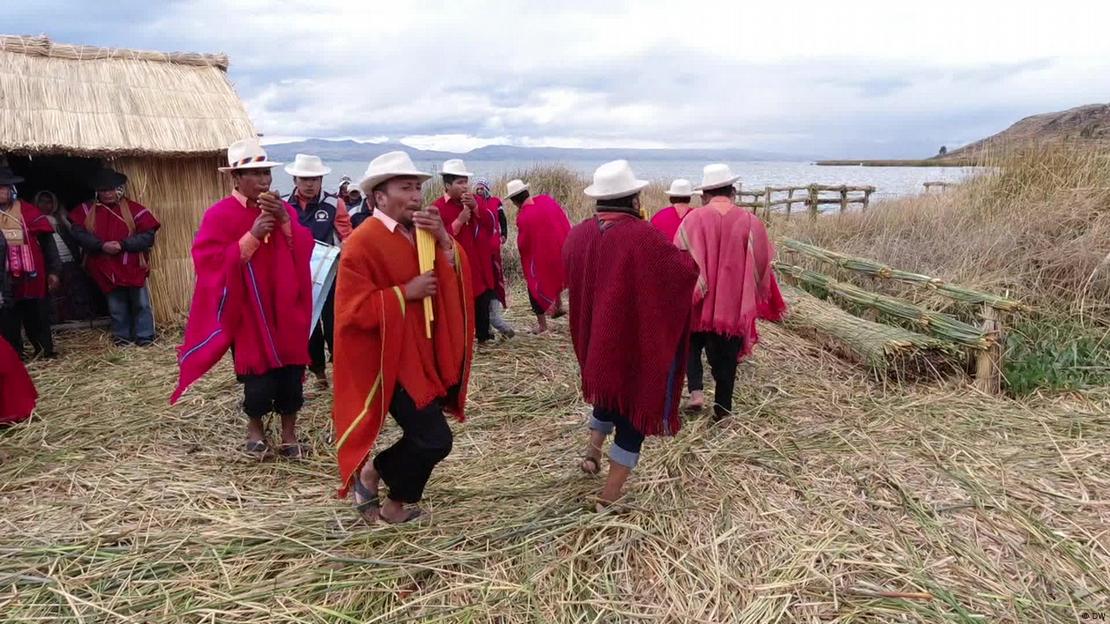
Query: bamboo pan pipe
426,255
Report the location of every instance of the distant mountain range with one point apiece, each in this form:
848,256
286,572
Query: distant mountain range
355,151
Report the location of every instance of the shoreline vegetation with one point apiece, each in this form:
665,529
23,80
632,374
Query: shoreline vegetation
928,162
828,495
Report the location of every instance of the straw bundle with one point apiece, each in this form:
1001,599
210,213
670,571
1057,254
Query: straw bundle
888,351
80,100
876,269
941,325
426,256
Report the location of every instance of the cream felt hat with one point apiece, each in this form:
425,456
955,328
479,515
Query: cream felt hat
681,188
514,188
614,179
717,175
389,165
247,154
307,166
455,167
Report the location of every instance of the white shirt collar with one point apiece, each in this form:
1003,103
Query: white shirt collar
389,222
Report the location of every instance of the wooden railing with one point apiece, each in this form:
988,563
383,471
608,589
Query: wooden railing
812,197
943,186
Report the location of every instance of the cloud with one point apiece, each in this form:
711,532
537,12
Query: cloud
869,79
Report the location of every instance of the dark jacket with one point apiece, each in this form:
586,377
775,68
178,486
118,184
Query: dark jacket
318,216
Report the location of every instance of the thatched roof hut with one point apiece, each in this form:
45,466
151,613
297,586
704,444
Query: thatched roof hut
164,119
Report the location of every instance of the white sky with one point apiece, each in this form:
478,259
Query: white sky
815,78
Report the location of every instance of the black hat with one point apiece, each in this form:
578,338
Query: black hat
8,177
107,179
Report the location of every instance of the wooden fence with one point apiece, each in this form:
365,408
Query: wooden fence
812,197
984,339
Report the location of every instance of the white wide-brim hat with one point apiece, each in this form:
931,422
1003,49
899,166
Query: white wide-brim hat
717,175
514,188
681,188
456,167
307,166
614,179
389,165
247,154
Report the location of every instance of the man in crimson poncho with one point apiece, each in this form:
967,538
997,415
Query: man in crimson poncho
117,234
253,296
476,231
542,229
385,361
630,296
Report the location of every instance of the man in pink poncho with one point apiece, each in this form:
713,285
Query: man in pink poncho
253,296
735,287
542,228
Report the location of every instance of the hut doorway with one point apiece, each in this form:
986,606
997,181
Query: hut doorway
77,302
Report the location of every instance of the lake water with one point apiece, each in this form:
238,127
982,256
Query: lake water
888,181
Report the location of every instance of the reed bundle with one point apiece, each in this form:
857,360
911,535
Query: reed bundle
426,256
880,270
827,497
890,352
938,324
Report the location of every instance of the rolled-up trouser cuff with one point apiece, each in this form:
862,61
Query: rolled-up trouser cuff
628,459
600,425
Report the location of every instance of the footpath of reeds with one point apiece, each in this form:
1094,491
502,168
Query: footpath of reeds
827,497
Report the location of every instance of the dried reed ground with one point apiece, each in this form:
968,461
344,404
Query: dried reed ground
823,491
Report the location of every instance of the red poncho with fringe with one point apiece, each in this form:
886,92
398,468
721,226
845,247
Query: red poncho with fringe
542,229
17,391
630,293
262,306
736,284
381,340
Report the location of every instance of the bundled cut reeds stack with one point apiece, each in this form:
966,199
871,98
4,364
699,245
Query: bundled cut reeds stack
889,352
938,324
875,269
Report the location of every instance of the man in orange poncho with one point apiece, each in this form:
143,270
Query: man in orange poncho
384,360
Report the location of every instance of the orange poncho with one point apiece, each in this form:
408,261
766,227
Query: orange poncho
380,338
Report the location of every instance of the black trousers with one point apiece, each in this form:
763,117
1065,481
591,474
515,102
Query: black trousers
722,353
323,334
481,315
426,440
32,315
280,390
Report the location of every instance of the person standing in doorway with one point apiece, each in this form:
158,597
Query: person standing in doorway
33,266
117,234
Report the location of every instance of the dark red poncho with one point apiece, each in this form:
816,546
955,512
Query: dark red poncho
630,299
17,391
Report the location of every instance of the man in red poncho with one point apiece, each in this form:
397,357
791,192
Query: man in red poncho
33,266
253,296
668,219
117,234
736,285
542,229
384,358
474,230
630,294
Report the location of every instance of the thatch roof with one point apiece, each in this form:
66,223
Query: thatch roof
83,100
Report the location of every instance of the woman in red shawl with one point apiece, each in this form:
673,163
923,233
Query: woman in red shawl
630,294
253,296
33,265
542,229
492,204
736,285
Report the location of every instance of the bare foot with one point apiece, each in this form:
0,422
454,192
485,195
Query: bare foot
394,512
696,402
591,462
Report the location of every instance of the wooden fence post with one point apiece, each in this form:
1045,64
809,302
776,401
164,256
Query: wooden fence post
843,198
767,203
988,363
812,201
789,203
867,197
